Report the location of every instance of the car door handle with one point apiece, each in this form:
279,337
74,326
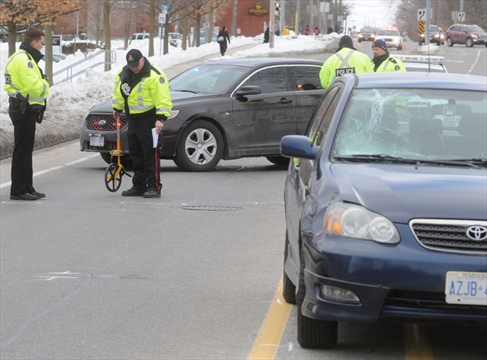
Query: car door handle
285,101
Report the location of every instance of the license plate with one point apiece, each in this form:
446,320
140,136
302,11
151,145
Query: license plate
466,288
97,141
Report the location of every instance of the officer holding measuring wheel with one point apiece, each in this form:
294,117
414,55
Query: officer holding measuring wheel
142,91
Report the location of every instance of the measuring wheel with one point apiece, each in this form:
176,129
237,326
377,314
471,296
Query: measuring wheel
113,177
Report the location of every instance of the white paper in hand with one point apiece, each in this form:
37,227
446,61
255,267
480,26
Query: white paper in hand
155,138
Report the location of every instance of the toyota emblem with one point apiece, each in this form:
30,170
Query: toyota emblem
477,233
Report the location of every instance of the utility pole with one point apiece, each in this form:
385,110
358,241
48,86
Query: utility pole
234,18
272,12
428,21
297,19
461,5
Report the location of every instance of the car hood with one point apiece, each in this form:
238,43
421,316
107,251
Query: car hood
402,192
178,98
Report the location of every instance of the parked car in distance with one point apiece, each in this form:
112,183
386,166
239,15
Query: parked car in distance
437,36
423,63
366,34
469,35
175,39
140,36
385,204
226,109
392,37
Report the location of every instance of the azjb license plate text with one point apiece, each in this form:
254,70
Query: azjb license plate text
466,288
97,141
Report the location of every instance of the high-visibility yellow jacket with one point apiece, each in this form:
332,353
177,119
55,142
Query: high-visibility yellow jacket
345,61
391,65
22,75
151,92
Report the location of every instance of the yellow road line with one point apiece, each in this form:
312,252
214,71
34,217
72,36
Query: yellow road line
270,334
417,344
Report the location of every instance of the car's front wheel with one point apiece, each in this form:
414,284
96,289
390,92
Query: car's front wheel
288,288
200,147
469,42
312,333
449,42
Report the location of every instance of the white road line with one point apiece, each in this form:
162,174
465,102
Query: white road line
42,172
474,63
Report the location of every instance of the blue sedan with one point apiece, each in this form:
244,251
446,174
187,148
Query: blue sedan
386,204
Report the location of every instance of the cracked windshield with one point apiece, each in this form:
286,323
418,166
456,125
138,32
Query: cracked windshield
416,125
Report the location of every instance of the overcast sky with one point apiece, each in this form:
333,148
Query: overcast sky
370,12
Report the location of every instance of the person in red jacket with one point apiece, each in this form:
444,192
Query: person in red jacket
222,39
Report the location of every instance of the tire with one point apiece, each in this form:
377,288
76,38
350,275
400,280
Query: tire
288,288
449,41
126,160
312,333
279,160
200,147
469,42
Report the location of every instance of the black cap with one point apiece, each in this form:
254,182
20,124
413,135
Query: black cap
379,43
133,57
346,41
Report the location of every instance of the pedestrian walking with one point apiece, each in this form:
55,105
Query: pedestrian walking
142,91
307,30
346,60
266,35
222,39
383,61
28,89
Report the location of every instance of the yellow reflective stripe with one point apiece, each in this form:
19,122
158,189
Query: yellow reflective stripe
141,108
41,98
115,102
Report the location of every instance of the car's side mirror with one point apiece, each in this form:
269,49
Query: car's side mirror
308,87
248,90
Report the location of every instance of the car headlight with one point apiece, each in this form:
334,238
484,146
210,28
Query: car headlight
442,36
373,36
422,35
173,114
437,36
355,221
360,35
475,36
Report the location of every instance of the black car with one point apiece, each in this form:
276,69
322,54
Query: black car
385,204
366,34
223,110
437,36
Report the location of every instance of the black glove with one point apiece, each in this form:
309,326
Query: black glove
161,118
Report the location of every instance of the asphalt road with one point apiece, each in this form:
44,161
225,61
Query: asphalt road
88,274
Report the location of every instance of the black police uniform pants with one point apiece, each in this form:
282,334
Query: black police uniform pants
145,158
24,136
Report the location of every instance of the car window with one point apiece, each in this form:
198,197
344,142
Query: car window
270,80
474,29
419,125
388,32
305,77
207,78
319,116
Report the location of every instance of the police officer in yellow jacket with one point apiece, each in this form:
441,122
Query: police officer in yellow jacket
27,89
142,91
346,60
383,62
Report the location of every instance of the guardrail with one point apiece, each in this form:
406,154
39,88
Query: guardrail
109,57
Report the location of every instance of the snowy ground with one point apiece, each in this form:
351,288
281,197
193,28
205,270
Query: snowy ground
69,102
